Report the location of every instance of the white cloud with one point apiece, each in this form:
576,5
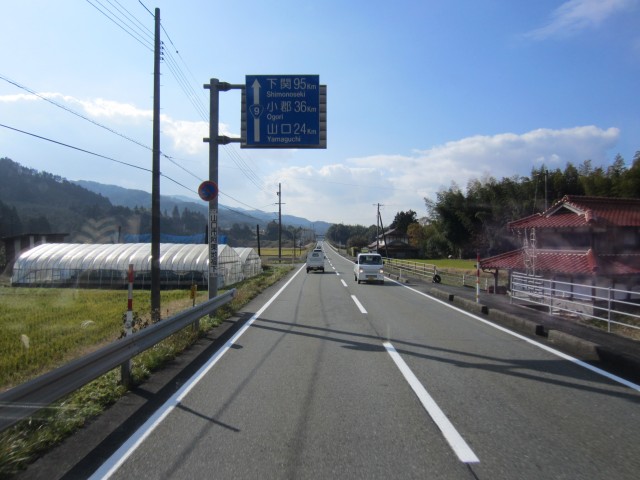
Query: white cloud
18,97
186,136
576,15
347,192
343,190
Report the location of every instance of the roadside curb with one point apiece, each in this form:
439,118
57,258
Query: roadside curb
600,353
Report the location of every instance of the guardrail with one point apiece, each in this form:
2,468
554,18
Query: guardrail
27,398
611,305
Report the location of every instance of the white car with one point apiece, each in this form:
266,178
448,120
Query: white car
315,261
369,268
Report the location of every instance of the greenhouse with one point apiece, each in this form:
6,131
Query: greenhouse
251,262
107,265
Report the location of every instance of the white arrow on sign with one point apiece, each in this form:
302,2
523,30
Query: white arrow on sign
256,118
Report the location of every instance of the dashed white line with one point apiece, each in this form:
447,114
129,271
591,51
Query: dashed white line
358,304
455,440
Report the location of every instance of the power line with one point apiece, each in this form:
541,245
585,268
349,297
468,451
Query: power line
110,15
125,17
91,153
184,84
244,167
133,166
74,148
73,112
127,22
84,117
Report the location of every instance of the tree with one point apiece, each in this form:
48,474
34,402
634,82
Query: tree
271,231
10,223
357,241
417,235
630,181
402,220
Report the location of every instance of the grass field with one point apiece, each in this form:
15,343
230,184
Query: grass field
286,252
41,328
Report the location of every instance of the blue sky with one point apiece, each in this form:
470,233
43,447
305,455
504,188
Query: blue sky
421,93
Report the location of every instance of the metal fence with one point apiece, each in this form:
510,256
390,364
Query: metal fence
428,271
599,303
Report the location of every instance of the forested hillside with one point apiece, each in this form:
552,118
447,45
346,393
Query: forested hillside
40,202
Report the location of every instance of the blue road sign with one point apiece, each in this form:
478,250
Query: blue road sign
283,111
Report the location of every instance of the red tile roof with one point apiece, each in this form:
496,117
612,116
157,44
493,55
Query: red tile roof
574,262
579,211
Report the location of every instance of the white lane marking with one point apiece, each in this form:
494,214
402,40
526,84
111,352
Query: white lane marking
343,282
455,440
553,351
113,463
358,304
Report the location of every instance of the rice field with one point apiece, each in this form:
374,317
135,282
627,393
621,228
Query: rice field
42,328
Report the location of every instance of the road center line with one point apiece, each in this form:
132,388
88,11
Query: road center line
358,304
457,443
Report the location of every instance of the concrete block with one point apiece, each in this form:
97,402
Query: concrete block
578,347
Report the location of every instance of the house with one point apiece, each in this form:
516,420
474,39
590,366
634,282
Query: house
394,244
580,238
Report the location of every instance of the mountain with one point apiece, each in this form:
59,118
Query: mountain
40,202
131,198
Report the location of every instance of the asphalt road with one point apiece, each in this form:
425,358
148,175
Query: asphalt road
332,379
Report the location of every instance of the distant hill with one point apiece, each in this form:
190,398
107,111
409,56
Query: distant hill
40,202
228,216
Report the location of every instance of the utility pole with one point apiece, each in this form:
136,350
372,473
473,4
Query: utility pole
384,239
155,179
378,221
258,238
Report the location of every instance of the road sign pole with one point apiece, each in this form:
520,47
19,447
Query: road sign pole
215,86
212,226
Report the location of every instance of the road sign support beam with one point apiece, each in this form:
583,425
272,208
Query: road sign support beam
215,87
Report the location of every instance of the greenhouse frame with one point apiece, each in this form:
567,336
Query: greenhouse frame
107,265
251,261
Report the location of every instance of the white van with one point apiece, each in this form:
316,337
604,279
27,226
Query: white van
368,268
315,261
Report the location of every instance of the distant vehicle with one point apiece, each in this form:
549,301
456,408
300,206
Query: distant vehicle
315,261
369,268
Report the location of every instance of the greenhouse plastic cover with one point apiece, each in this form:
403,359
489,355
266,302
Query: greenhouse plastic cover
57,262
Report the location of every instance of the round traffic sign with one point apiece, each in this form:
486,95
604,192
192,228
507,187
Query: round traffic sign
208,190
